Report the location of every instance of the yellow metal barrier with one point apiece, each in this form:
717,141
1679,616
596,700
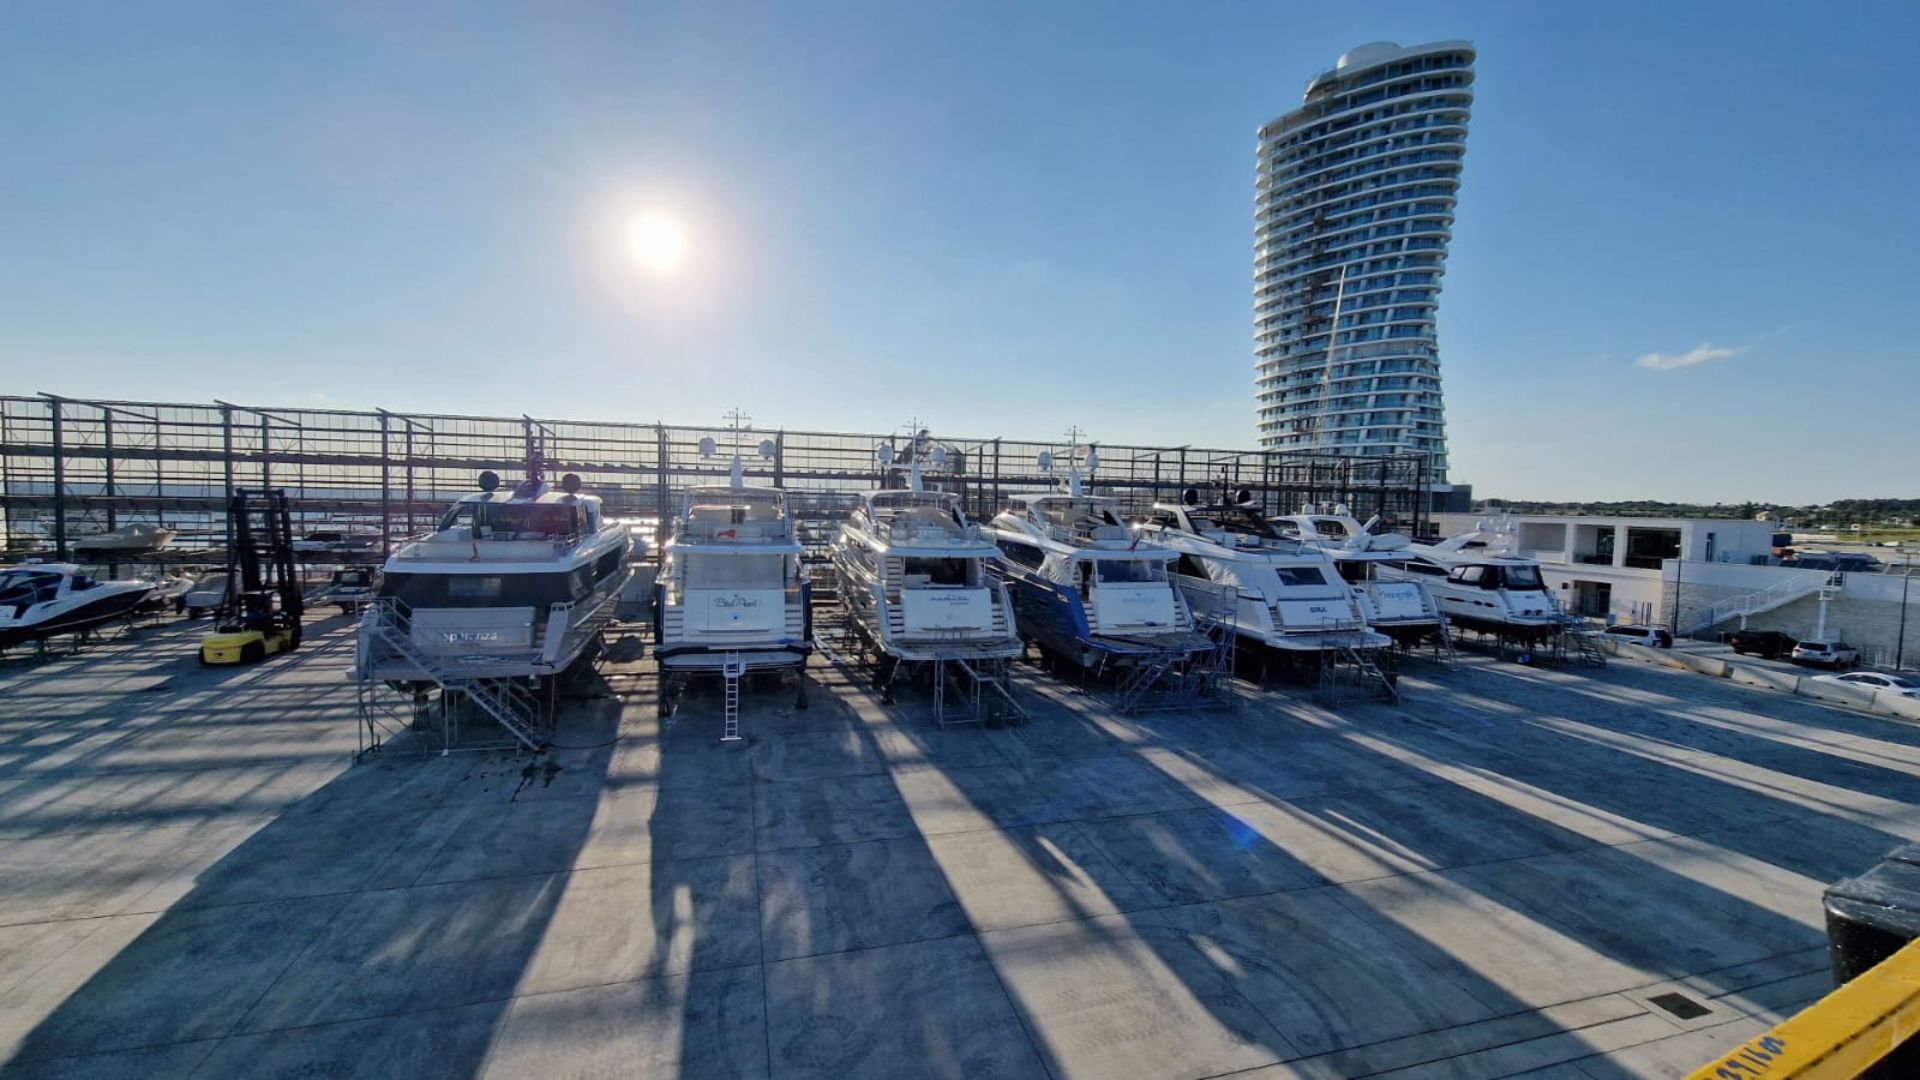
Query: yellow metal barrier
1838,1037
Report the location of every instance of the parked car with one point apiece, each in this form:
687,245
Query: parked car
1833,654
1651,636
205,597
1771,644
1873,680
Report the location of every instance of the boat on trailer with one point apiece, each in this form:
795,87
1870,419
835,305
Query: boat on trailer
918,584
1280,595
1483,584
44,600
732,597
1398,606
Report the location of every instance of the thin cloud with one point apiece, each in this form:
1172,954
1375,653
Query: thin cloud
1703,353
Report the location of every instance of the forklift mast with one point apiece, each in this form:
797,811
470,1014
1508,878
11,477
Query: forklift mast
260,562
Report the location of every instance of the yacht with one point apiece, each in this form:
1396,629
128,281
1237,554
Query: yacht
918,581
1483,584
1281,594
1394,603
732,595
43,600
126,540
512,583
1085,586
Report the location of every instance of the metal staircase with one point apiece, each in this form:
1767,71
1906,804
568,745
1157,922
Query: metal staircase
1761,601
1347,653
1368,674
389,667
511,705
1582,643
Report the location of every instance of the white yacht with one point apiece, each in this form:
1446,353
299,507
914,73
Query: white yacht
1394,603
1281,594
1085,586
731,591
126,540
916,579
512,583
43,600
1482,584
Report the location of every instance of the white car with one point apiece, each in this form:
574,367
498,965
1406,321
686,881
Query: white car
1833,654
1651,636
1873,680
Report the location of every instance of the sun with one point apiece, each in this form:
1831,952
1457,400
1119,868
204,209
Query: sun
658,244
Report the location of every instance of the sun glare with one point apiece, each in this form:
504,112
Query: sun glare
657,243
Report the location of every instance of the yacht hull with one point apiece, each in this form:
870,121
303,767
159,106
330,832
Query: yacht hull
1055,617
978,624
94,613
678,649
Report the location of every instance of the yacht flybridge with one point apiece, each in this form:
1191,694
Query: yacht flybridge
43,600
914,575
1400,607
1085,586
1278,593
513,583
1482,584
732,596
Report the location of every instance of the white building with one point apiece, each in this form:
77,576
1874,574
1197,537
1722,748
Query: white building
1353,209
1618,566
1707,574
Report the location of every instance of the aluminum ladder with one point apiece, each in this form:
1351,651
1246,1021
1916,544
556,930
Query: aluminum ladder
732,669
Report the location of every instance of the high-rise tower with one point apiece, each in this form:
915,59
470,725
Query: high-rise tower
1353,209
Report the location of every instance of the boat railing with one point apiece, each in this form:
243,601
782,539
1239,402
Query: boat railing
1087,532
897,531
761,531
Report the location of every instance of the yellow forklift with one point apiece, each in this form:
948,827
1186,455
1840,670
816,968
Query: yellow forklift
261,614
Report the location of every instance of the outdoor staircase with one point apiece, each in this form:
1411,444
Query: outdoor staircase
511,705
385,653
1763,600
1584,644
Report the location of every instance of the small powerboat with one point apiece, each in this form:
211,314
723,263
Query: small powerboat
43,600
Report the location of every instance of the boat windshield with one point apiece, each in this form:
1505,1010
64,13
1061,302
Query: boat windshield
524,521
1120,571
1301,575
1523,577
513,521
28,586
1244,522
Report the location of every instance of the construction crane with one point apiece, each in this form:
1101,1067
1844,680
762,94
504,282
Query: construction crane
261,613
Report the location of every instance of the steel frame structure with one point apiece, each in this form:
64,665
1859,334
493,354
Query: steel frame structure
73,466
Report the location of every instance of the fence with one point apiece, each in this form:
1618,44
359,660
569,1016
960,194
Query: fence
71,467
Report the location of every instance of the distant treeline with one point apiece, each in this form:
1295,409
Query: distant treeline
1840,510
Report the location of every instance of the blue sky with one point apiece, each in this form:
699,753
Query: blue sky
1003,219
